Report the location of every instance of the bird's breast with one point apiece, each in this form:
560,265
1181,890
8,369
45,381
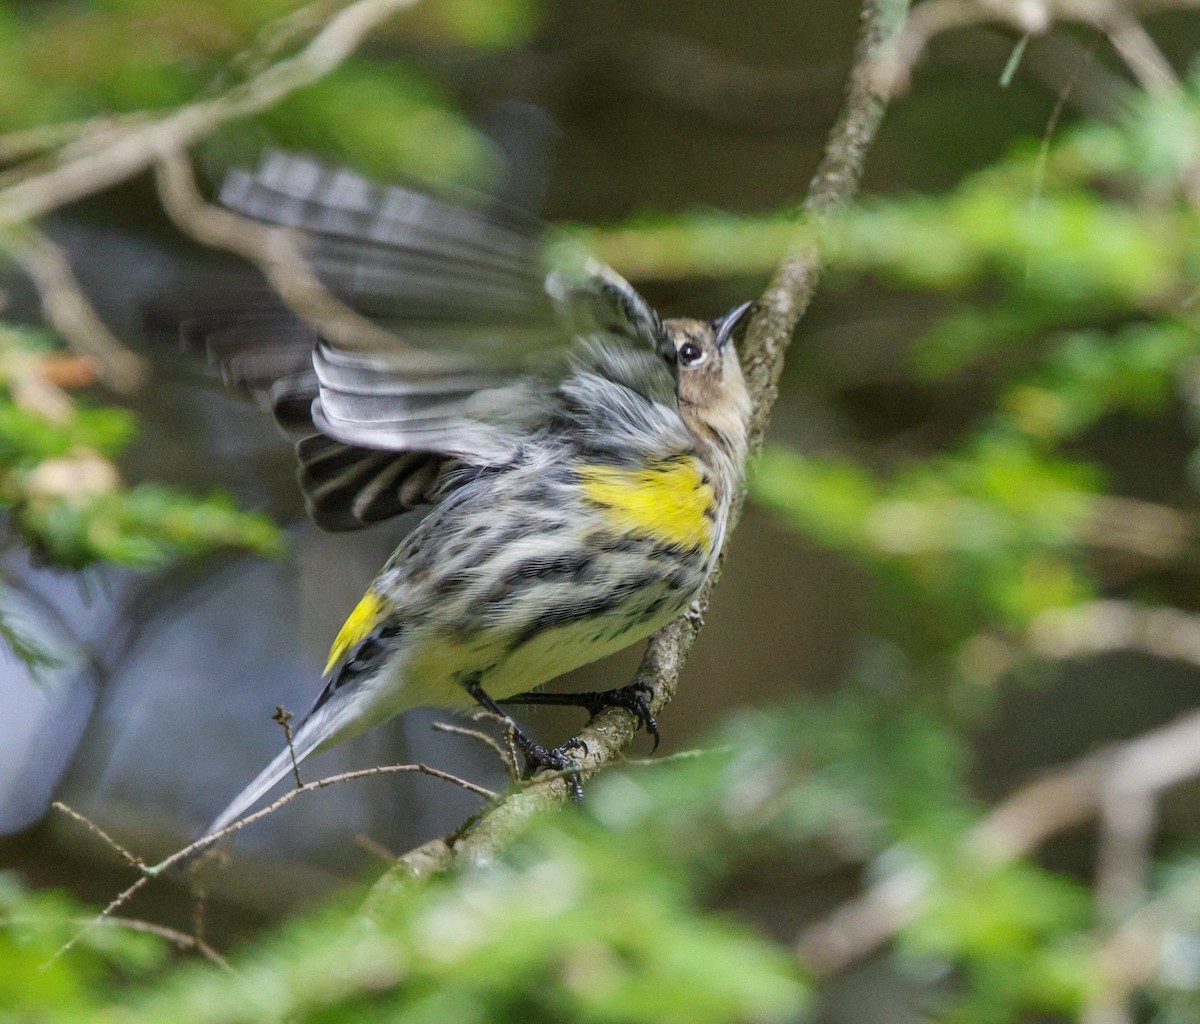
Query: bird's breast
671,501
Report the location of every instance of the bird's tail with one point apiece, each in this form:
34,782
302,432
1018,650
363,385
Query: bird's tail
321,727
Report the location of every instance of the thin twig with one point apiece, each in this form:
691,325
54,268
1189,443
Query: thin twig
375,847
1132,43
114,905
284,717
193,850
91,826
272,39
1137,48
199,896
475,734
190,851
26,142
182,940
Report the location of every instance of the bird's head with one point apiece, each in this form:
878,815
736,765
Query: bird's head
709,384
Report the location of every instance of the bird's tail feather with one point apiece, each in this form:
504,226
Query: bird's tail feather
316,729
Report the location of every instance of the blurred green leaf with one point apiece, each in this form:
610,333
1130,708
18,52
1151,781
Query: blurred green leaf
35,985
1020,934
143,526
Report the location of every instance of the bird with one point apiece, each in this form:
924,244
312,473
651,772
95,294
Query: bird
577,454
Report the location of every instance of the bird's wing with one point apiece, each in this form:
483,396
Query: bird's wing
396,252
486,339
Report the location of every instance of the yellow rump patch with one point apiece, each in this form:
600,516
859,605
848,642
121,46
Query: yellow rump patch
365,617
669,501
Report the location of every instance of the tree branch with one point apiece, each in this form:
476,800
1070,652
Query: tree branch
778,311
127,151
1112,18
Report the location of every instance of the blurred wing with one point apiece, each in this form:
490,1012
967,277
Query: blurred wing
397,254
487,337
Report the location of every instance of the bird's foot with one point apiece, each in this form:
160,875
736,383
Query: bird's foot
555,759
634,698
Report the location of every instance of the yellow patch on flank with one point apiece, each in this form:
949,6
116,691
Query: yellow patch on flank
365,617
666,500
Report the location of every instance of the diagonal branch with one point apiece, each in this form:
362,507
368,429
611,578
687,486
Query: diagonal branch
770,332
68,161
128,151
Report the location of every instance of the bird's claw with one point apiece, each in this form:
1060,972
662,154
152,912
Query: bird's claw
634,698
556,759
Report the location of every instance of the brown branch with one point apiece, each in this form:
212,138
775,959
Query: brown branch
23,143
200,845
284,718
96,830
1119,786
181,940
504,753
184,856
1101,627
1112,18
780,308
1137,48
76,159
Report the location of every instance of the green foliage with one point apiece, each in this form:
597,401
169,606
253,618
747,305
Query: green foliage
63,494
1066,277
483,24
1066,273
412,127
992,533
593,916
588,917
142,526
704,244
35,985
1072,270
28,438
598,916
565,929
1019,934
29,651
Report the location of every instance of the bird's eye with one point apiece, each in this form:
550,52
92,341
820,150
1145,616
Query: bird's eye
690,352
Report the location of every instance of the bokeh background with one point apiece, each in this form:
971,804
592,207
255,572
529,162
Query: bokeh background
900,560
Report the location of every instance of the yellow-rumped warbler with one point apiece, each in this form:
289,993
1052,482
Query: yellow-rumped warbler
580,455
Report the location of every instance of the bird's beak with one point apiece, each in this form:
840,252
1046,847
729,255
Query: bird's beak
724,326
